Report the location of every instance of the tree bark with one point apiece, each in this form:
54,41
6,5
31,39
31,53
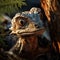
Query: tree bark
52,12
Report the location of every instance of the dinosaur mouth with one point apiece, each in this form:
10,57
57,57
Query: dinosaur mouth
32,32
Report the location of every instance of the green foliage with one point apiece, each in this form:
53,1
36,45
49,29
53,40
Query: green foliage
10,6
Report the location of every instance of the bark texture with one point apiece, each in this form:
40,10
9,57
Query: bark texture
52,12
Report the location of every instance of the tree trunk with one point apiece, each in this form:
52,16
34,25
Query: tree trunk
52,12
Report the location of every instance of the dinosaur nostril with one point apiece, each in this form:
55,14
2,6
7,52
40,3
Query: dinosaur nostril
36,26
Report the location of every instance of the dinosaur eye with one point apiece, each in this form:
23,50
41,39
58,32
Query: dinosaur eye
22,22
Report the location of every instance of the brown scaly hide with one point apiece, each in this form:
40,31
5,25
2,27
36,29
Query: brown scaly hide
29,48
52,12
